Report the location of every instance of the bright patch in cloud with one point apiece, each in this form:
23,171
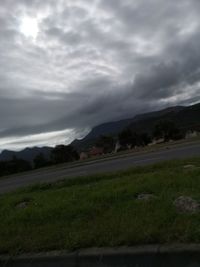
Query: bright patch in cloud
29,27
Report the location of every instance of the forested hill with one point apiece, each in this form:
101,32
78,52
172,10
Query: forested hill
184,117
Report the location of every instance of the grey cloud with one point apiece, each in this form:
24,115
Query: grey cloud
96,62
159,82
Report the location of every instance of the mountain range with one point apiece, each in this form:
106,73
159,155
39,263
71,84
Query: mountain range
26,154
184,117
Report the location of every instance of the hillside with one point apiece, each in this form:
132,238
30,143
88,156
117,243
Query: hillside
110,128
184,117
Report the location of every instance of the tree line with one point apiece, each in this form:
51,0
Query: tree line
164,130
59,154
127,139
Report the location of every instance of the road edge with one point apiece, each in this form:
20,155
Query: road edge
81,257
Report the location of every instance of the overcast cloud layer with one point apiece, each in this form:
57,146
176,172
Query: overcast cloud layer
66,66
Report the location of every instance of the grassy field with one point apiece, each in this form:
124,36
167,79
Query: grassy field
103,210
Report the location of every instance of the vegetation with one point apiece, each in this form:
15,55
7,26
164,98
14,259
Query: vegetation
103,210
106,142
133,139
14,166
59,154
185,118
167,130
41,161
62,153
167,124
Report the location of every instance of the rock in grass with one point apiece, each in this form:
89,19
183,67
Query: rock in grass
185,204
23,204
189,166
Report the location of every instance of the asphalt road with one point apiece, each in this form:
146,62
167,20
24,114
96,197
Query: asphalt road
113,164
143,256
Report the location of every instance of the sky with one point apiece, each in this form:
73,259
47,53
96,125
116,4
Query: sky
67,66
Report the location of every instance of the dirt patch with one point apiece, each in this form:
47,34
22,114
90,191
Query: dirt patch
185,204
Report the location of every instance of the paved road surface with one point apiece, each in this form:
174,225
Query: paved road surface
17,181
143,256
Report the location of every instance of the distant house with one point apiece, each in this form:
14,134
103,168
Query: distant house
96,151
83,156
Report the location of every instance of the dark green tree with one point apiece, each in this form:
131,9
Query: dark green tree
14,166
18,165
106,142
144,139
62,153
40,161
126,137
167,129
133,139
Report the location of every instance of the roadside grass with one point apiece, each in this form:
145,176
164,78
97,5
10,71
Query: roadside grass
102,210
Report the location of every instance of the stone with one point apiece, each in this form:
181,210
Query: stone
186,204
190,166
23,204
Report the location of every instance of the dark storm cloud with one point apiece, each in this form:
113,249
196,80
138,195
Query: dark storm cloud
159,82
91,62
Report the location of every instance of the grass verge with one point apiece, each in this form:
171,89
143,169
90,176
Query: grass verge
102,210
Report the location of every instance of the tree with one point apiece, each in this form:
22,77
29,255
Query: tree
126,137
62,153
106,142
18,165
40,161
14,166
133,139
167,130
145,139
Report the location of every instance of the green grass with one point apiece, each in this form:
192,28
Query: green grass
102,211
